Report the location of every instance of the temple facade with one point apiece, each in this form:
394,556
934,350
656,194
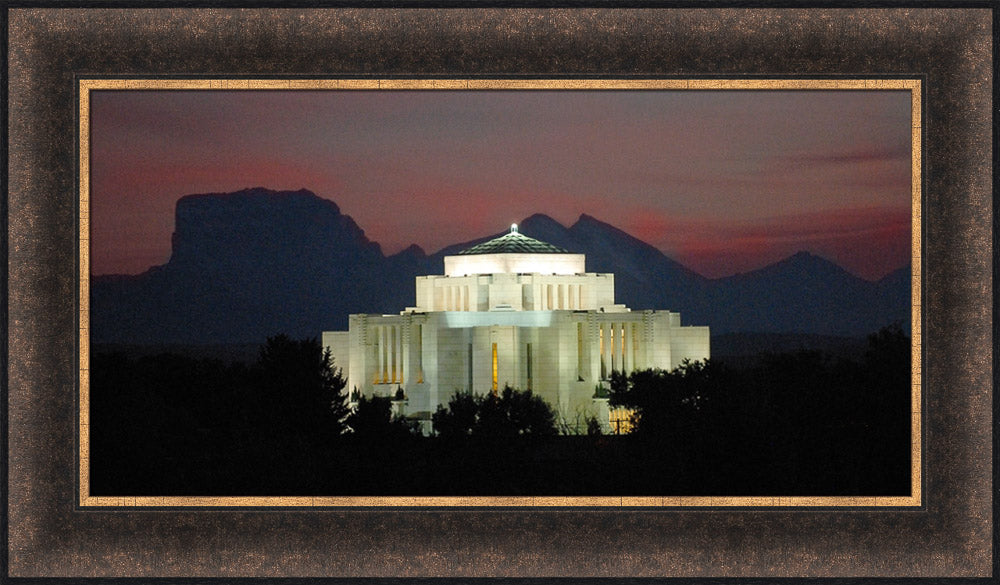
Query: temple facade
510,311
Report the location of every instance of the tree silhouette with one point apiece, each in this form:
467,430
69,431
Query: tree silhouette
302,391
510,413
372,419
458,418
670,401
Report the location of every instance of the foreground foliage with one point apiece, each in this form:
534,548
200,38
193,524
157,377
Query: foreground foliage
508,414
798,423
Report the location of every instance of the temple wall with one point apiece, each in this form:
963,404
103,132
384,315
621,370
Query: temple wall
558,333
507,263
516,292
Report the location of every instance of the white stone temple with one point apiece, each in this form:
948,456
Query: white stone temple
510,311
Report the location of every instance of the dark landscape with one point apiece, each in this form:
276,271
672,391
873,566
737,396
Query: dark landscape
206,378
798,423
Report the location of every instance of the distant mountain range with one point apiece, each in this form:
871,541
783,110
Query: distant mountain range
257,262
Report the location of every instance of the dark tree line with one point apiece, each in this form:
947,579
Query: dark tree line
174,424
191,423
798,418
796,423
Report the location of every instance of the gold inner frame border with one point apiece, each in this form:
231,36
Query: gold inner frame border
85,500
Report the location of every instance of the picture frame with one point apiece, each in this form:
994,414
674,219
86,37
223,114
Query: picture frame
907,90
44,507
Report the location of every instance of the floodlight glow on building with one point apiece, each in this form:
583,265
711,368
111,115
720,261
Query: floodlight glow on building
511,311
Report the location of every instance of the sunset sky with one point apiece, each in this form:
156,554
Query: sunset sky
721,181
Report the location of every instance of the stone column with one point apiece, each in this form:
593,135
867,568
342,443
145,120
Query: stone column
625,346
603,342
391,348
397,354
614,346
383,366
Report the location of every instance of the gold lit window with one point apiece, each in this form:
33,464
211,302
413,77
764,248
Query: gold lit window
495,372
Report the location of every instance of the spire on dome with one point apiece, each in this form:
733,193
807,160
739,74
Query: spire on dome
514,242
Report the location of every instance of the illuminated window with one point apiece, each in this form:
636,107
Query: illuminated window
620,420
579,351
493,387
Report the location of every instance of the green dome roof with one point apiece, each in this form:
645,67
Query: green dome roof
514,243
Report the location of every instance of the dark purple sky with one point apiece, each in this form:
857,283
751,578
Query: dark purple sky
722,181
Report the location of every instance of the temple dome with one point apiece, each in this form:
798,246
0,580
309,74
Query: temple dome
514,242
514,253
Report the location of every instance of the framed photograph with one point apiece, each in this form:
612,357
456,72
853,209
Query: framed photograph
487,302
197,365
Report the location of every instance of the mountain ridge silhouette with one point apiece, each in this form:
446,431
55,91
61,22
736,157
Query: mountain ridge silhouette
252,263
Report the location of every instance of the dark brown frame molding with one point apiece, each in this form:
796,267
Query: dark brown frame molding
51,49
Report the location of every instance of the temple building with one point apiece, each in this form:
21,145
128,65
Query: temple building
510,311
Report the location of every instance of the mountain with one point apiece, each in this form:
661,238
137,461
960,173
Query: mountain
257,262
801,294
250,264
